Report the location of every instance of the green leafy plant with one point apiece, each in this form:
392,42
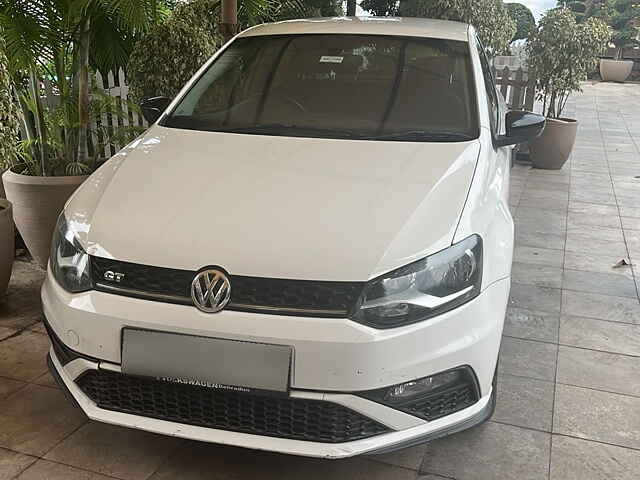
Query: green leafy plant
9,122
168,56
489,17
562,52
523,18
62,41
623,16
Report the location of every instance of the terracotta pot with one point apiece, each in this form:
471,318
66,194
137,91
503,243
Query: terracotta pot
615,70
552,149
7,247
37,202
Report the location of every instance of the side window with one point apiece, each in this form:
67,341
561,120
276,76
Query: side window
490,86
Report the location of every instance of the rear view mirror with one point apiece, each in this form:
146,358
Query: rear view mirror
521,126
153,107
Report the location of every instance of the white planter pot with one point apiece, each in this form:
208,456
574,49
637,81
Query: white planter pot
615,70
37,202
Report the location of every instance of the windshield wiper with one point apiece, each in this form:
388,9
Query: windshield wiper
293,130
424,136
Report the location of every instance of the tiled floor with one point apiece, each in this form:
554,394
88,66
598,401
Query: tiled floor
569,389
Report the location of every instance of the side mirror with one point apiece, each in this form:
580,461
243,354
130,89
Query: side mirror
153,107
521,127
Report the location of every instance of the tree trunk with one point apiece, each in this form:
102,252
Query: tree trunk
229,19
83,92
351,8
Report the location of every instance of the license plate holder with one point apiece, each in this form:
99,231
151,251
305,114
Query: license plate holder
218,363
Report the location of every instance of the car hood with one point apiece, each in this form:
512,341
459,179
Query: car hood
270,206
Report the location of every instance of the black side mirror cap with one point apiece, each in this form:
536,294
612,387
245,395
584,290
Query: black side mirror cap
153,107
521,126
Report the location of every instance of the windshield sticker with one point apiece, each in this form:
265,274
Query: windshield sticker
330,59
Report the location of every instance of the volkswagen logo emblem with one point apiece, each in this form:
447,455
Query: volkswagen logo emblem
210,290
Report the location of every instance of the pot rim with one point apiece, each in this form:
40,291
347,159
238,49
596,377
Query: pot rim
562,120
613,60
13,177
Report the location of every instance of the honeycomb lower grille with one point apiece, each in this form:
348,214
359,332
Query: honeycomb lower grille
445,403
284,417
259,294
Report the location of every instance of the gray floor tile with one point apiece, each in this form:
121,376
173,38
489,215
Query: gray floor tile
527,358
575,459
115,451
598,282
36,418
535,298
407,458
600,335
532,325
12,463
199,461
23,357
595,262
600,416
611,221
538,256
490,451
532,238
605,307
44,470
599,370
538,275
9,386
6,332
524,402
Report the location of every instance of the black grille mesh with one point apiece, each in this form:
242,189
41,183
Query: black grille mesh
444,403
247,293
283,417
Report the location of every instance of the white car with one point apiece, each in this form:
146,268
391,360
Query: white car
308,252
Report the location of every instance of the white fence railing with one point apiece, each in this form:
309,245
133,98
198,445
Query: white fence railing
106,122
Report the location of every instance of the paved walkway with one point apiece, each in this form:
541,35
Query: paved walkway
569,391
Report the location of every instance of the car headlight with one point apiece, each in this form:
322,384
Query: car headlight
423,289
69,262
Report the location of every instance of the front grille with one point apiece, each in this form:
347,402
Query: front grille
265,295
284,417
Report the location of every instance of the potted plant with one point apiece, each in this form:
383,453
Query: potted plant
8,137
561,52
624,17
60,42
7,246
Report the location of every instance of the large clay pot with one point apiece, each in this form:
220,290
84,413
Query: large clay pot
37,202
7,247
615,70
552,149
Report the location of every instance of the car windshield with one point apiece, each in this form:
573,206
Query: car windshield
362,87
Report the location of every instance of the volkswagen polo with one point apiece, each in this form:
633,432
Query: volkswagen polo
309,250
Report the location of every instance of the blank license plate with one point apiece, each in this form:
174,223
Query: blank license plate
211,362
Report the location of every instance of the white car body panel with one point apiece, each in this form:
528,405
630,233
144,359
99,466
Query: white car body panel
311,201
298,208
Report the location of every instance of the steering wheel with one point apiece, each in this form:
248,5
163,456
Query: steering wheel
290,100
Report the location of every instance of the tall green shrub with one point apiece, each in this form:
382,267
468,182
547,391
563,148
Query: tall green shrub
562,52
8,115
489,17
168,56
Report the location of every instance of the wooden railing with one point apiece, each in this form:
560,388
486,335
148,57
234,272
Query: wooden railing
517,87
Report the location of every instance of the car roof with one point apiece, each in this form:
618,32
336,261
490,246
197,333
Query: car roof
399,26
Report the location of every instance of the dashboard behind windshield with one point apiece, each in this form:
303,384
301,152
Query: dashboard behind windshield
361,87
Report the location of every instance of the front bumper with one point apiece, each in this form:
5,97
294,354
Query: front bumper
345,357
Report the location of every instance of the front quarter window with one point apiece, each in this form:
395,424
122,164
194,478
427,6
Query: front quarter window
360,87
